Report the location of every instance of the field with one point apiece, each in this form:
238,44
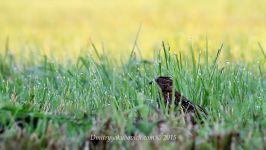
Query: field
73,70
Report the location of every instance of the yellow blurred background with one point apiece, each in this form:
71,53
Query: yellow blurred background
64,28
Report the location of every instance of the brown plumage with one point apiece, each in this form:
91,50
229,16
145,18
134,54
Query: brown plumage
194,112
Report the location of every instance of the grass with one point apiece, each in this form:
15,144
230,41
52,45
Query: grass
103,96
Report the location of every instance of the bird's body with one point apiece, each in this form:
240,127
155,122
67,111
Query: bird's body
194,111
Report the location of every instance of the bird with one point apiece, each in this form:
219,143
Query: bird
193,112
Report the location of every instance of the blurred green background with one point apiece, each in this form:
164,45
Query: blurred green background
64,28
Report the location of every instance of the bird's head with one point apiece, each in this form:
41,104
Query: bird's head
165,83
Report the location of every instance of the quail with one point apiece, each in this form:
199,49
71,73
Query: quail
192,111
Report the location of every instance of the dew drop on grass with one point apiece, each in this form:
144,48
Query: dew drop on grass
199,73
257,107
229,84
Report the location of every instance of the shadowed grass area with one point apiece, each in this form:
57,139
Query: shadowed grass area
50,105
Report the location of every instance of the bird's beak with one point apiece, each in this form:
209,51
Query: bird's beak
150,82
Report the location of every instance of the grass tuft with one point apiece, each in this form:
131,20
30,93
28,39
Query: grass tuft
62,106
